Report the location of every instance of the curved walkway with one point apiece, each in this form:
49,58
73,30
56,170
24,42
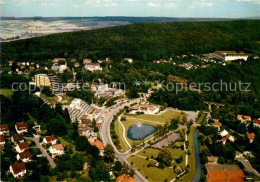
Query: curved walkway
119,120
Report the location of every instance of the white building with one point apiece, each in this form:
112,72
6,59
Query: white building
50,140
21,128
24,156
93,67
56,150
146,108
21,147
223,133
230,55
18,169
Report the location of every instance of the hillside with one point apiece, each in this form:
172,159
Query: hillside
140,41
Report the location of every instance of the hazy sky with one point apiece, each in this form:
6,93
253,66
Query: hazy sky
168,8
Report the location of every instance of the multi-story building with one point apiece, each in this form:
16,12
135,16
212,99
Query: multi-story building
42,80
230,55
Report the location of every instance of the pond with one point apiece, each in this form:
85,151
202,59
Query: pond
140,131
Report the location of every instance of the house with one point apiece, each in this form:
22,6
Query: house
125,178
230,55
212,159
85,119
93,67
243,118
218,172
248,154
130,60
251,137
18,169
11,63
18,138
230,137
4,129
50,139
56,150
56,60
223,140
99,145
217,125
25,156
76,65
21,127
223,133
256,123
87,61
92,137
85,166
2,140
239,155
146,108
85,129
21,147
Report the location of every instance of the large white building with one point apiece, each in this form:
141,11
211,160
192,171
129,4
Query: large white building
230,55
93,67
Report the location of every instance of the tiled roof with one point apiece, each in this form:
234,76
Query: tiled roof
98,144
24,145
18,167
17,137
50,138
25,155
4,127
2,138
251,136
21,126
125,178
57,147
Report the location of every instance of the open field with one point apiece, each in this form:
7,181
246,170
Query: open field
119,131
154,173
7,93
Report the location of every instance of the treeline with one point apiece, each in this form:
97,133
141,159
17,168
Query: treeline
140,41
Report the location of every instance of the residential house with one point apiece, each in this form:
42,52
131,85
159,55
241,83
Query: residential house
130,60
76,65
223,133
251,137
224,141
21,128
99,145
18,169
218,172
256,123
87,61
21,147
50,140
56,60
25,156
212,159
125,178
230,137
239,155
2,140
84,129
18,138
93,67
217,125
56,150
4,129
243,118
11,63
92,137
85,166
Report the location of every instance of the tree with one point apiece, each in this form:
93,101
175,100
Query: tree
109,153
81,143
118,166
57,125
165,156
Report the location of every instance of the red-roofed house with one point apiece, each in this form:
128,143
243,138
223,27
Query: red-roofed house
50,139
243,118
4,129
24,156
18,169
21,127
125,178
223,140
56,60
87,61
2,140
251,137
21,147
217,125
56,150
256,123
99,145
18,138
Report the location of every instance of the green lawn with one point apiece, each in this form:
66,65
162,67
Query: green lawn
201,118
52,100
7,93
119,131
155,174
191,174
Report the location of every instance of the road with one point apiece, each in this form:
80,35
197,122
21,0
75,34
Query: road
248,166
44,153
106,138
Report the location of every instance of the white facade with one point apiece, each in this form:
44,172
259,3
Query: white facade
56,152
24,159
17,148
20,131
230,55
17,175
93,67
53,142
223,133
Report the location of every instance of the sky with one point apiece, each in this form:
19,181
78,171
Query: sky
143,8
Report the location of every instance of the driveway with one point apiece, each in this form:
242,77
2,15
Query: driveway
44,153
248,166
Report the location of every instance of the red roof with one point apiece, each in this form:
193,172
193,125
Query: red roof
98,144
59,59
18,167
21,126
2,138
57,147
125,178
4,127
25,155
17,137
251,136
50,138
257,121
24,145
216,123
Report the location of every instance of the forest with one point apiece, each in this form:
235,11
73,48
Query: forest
139,41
